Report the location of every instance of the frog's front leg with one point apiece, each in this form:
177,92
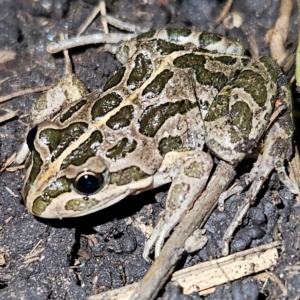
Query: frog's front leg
193,169
277,148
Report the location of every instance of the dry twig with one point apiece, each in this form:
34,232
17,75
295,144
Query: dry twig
24,92
8,162
224,12
277,36
6,56
8,114
279,283
99,8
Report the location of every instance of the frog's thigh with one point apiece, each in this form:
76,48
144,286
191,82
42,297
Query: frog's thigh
193,169
276,146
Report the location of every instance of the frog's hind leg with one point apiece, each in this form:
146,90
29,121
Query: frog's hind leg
188,183
277,145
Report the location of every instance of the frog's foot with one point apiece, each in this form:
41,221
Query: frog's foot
187,185
283,177
273,156
238,187
248,201
277,164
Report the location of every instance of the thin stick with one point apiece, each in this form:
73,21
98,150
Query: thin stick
8,115
124,25
279,33
68,63
8,162
224,12
92,16
103,13
25,92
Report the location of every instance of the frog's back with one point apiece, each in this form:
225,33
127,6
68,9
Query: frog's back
150,106
178,39
146,110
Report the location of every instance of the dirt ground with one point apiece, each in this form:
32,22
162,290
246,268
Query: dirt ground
75,258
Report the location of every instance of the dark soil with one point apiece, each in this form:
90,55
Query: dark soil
84,256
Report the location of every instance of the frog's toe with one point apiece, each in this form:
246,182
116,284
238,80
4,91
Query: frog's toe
235,189
284,178
159,234
157,237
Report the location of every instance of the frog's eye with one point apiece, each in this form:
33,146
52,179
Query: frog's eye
30,138
88,182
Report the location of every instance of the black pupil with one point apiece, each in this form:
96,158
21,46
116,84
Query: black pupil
88,184
30,138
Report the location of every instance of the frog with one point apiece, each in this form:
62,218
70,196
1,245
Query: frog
181,96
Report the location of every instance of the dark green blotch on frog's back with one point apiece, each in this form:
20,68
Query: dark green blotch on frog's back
105,104
122,118
203,76
158,84
115,80
169,144
175,34
272,66
241,117
141,72
166,48
84,151
226,59
60,139
206,38
122,148
219,107
254,84
73,109
156,115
